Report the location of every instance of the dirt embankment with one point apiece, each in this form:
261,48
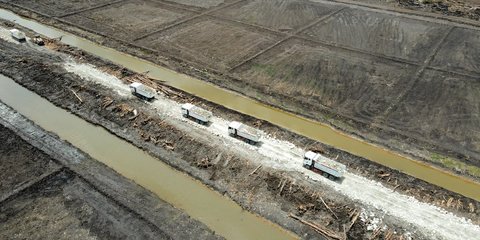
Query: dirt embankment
271,194
43,195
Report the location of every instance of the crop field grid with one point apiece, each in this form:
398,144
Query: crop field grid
419,77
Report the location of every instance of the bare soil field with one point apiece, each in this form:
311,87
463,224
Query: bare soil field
282,15
207,40
318,78
54,8
66,207
118,20
20,163
447,107
460,53
384,34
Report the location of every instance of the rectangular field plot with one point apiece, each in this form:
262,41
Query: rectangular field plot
379,33
444,108
58,8
281,15
129,19
67,208
355,85
216,44
460,52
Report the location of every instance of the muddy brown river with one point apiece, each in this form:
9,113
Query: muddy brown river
219,213
234,101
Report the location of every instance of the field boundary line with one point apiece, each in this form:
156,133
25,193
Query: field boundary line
90,8
200,14
38,180
418,75
289,36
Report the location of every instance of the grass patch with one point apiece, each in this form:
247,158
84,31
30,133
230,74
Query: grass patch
455,164
268,69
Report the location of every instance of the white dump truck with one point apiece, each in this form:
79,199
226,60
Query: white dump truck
327,167
247,133
18,35
198,114
142,91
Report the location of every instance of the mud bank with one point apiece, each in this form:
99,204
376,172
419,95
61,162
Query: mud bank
52,189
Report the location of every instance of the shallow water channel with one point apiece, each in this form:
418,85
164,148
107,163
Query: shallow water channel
229,99
219,213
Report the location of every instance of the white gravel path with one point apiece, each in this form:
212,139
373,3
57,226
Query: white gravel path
434,222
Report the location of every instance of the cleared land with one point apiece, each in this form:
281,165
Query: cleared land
208,40
283,15
384,34
460,52
447,108
326,80
55,8
66,207
148,16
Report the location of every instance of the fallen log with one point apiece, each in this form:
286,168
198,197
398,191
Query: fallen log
354,219
76,95
329,209
259,166
320,229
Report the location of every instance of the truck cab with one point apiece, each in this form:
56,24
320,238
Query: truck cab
309,159
18,35
233,128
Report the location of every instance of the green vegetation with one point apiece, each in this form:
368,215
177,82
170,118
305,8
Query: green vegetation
268,69
455,164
